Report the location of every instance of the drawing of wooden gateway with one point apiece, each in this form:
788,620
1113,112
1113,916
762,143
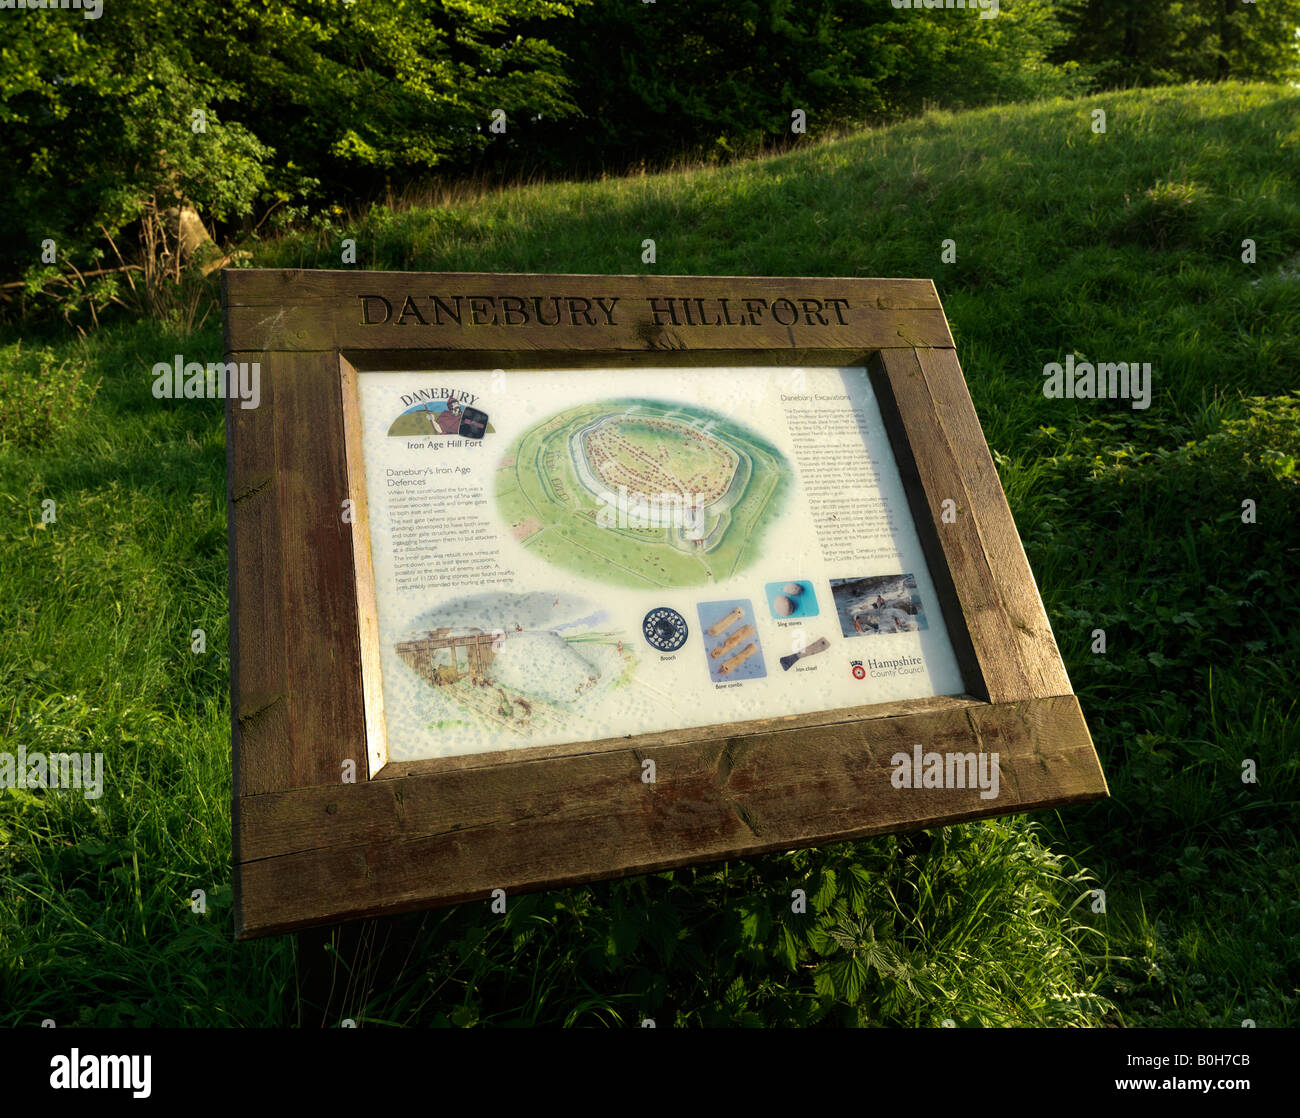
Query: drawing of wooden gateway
445,657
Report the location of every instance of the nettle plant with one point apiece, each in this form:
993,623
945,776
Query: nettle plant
975,925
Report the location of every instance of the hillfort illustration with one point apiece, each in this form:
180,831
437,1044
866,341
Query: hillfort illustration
522,665
642,493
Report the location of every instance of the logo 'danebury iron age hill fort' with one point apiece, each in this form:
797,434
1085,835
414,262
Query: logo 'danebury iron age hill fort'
440,413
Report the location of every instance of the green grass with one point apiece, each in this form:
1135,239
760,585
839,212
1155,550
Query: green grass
1122,246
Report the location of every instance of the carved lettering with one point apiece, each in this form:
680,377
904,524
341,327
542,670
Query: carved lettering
597,310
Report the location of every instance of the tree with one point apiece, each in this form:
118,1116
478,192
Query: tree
655,81
103,122
1135,42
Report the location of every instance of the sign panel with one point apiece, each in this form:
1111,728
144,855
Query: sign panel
542,579
566,558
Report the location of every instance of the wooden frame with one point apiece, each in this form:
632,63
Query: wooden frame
311,849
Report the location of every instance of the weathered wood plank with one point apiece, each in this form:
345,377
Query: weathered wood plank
1003,614
259,706
296,654
361,310
1040,659
325,697
273,287
389,846
809,721
919,508
266,844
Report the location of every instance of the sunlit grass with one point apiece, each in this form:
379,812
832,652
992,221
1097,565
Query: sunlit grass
1123,246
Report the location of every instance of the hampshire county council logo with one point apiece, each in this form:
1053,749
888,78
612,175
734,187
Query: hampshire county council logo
859,672
440,413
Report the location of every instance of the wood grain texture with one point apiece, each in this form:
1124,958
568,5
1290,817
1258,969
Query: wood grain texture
306,696
999,601
259,683
322,310
941,576
295,661
810,722
316,855
1039,658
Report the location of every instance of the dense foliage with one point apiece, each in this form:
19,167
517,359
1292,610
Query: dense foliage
223,106
250,109
1135,42
670,79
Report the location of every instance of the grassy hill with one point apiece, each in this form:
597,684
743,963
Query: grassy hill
1125,245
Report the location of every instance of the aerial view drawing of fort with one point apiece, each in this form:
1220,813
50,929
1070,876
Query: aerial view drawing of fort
642,493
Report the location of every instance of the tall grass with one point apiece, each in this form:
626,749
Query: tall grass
1125,245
